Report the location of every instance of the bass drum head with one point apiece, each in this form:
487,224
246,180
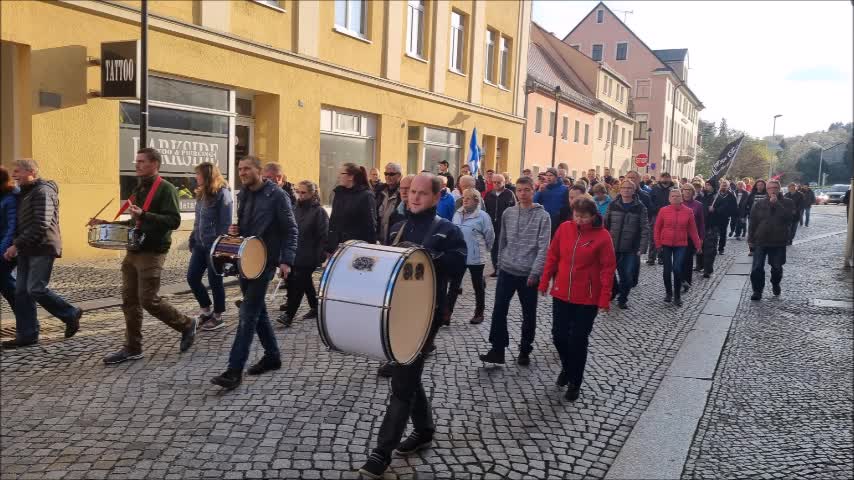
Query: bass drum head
412,305
253,258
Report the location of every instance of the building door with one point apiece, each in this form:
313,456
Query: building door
244,141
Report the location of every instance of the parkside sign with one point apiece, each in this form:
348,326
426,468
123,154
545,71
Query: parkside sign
180,152
120,70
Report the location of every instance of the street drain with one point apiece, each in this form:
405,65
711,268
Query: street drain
823,302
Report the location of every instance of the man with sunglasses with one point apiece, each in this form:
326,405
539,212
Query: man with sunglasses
388,198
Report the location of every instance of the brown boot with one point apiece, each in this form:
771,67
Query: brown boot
477,318
446,319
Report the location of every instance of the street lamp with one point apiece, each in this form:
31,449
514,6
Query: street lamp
554,137
821,157
648,147
773,137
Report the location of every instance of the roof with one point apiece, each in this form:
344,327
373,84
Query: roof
543,72
665,66
671,55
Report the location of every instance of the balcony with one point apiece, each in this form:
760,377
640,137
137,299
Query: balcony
686,154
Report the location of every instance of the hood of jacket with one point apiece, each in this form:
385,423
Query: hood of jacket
39,183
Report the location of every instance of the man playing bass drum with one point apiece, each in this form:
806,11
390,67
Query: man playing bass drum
446,245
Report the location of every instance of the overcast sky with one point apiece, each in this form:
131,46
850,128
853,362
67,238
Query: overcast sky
749,60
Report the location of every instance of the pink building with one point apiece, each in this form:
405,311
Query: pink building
665,108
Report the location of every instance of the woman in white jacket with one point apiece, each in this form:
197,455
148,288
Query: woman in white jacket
479,235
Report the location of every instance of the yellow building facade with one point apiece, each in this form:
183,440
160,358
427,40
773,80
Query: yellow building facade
308,84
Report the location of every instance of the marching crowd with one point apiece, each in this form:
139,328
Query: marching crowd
578,240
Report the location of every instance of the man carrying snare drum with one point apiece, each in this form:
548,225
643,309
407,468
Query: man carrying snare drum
445,243
265,212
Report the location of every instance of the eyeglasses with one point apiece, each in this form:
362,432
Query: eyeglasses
390,174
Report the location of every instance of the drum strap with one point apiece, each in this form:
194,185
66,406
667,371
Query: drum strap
148,198
430,231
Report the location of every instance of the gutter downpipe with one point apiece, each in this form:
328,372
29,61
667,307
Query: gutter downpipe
672,125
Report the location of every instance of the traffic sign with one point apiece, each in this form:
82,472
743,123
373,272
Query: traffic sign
641,160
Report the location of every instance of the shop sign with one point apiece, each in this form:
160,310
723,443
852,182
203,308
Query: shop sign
120,70
180,151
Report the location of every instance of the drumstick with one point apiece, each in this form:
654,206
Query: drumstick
101,210
272,296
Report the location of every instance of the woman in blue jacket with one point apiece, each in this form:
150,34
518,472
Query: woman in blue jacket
213,216
8,221
479,235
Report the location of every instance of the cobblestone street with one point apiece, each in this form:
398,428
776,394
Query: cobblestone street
778,405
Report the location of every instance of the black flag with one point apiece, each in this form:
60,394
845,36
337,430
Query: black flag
725,159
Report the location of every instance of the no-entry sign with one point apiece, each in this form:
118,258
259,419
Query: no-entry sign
641,160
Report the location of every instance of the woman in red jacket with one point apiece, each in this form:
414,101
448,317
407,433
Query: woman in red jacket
581,262
673,227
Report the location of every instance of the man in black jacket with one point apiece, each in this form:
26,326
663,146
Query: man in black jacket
768,234
36,245
445,243
264,212
797,199
723,207
388,198
660,198
496,201
809,201
274,173
738,221
443,171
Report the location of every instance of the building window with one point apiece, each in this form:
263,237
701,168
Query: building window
458,35
666,129
490,56
344,137
600,16
564,132
428,146
351,15
608,138
552,124
576,131
622,50
504,62
596,52
642,120
586,133
604,83
622,136
538,121
615,133
415,28
601,126
610,86
271,3
642,89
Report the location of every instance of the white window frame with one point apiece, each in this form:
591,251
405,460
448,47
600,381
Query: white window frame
608,139
538,120
503,61
552,124
413,42
576,131
648,87
600,16
622,136
601,128
610,87
587,134
345,29
617,49
642,135
458,41
489,74
564,130
274,4
601,53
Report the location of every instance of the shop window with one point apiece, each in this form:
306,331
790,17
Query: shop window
431,146
168,90
345,137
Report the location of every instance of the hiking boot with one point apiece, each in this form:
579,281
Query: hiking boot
524,359
310,315
775,289
668,298
18,343
229,380
375,467
720,252
685,287
386,370
572,392
493,356
706,275
121,356
215,322
285,319
188,336
73,325
476,319
446,319
562,379
677,301
266,364
414,442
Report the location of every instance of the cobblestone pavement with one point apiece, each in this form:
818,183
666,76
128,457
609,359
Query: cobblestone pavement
65,415
781,401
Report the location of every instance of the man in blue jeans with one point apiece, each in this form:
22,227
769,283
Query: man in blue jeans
768,233
264,211
522,248
628,223
36,245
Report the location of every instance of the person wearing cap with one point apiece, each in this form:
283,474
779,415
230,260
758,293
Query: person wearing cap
443,172
553,197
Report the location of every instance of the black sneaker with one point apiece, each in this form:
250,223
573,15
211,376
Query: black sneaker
572,392
238,303
706,275
731,233
229,380
375,467
386,370
775,289
493,356
13,344
562,379
310,315
623,305
685,287
756,296
720,252
214,322
121,356
677,301
414,442
428,349
73,325
524,359
285,319
188,336
668,298
477,319
266,364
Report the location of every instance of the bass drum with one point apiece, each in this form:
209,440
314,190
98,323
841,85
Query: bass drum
377,301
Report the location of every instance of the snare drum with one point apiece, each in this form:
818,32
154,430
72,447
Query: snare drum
232,255
377,301
110,236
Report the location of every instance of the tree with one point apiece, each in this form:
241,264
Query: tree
752,160
723,131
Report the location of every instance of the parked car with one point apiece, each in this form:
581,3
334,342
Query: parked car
836,192
820,198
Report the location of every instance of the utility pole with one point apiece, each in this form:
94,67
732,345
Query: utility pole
143,100
774,139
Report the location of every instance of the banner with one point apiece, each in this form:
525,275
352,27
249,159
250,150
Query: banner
725,159
474,154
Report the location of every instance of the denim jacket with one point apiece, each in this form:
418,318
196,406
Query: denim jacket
212,219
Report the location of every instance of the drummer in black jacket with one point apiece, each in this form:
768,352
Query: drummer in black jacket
445,243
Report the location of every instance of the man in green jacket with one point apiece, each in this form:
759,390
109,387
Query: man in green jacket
143,264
